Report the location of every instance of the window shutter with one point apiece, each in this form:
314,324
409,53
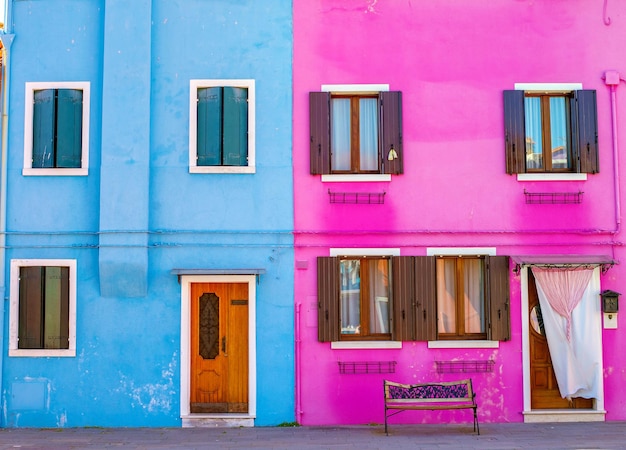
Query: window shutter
403,298
64,335
69,128
30,310
319,116
209,123
43,129
514,132
586,142
235,126
56,308
426,298
328,299
498,297
391,132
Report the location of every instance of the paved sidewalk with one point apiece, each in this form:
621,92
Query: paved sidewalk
603,435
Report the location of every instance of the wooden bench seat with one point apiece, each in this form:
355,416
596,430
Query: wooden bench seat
429,396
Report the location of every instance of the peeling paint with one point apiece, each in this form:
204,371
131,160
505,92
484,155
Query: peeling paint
151,397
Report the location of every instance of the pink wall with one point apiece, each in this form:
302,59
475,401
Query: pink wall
452,59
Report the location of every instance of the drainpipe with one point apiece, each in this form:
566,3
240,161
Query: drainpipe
7,40
298,366
612,79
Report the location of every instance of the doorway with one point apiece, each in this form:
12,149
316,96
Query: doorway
218,352
542,399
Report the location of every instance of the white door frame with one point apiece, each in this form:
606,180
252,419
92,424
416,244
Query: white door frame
185,344
554,415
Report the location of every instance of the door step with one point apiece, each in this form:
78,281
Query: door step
217,421
563,415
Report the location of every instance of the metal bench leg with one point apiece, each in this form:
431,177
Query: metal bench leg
476,427
386,432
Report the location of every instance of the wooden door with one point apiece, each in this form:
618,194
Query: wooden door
219,348
544,390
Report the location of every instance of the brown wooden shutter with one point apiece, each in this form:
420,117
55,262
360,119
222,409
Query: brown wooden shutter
319,117
498,297
585,144
514,132
391,131
426,298
327,299
403,298
31,312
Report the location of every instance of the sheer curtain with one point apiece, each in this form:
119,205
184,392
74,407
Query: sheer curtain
558,133
534,144
368,133
340,139
570,308
446,295
474,294
379,299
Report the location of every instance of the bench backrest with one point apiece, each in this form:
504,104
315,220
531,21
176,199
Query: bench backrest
455,391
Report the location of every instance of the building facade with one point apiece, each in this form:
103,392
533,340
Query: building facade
148,215
458,198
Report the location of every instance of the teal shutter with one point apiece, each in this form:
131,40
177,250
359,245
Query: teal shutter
69,128
43,128
235,126
209,133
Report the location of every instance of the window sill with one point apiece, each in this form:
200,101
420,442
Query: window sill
364,345
463,344
222,169
551,177
355,178
29,171
42,353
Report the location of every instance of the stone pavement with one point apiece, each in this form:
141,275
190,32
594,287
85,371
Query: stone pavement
602,435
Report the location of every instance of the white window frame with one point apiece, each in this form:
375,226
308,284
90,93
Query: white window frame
362,89
193,125
14,308
462,251
30,89
545,88
364,345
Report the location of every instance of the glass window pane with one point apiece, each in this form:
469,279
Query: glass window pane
368,133
350,296
379,295
534,147
474,295
446,295
559,133
340,139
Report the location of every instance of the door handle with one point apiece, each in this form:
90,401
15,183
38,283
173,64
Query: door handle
224,345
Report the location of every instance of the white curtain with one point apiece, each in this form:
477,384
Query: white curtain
574,334
474,306
340,136
534,140
368,133
446,295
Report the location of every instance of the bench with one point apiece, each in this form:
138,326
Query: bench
429,396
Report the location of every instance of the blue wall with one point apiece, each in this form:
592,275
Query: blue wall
140,213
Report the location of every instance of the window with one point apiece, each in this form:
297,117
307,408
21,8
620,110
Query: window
548,132
56,132
419,298
221,137
356,132
42,311
364,297
461,298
